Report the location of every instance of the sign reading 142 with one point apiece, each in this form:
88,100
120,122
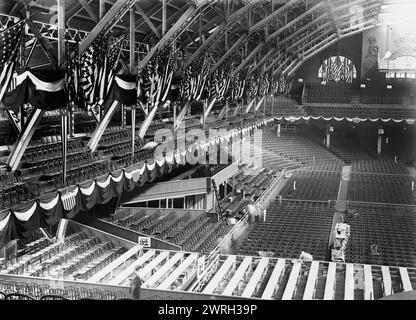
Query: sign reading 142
144,241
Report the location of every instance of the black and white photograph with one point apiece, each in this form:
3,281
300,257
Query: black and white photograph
206,157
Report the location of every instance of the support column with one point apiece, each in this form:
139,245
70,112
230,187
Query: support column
163,17
123,115
329,129
61,32
328,140
101,8
203,114
174,126
132,39
279,129
61,60
379,139
64,138
133,132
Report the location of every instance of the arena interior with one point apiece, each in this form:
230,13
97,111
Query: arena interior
202,149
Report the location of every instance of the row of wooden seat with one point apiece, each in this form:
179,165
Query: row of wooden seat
17,290
291,228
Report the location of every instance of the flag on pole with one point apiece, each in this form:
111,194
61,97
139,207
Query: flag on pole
89,71
195,80
9,42
108,67
73,74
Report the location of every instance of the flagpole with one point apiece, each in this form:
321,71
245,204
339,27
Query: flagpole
64,112
203,114
174,126
133,131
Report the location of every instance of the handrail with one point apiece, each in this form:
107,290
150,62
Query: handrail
383,204
261,201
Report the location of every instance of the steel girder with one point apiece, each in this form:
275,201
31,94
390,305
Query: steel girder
110,19
221,29
171,35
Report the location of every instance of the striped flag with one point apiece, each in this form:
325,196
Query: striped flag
238,86
73,75
154,81
108,68
89,71
223,85
213,84
9,42
195,80
185,85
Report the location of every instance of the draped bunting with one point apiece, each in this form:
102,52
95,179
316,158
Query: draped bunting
355,120
44,89
20,221
125,89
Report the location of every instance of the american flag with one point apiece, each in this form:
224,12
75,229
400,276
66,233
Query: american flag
166,65
275,86
238,86
253,85
265,85
195,79
9,42
155,80
89,71
185,86
108,67
223,85
73,75
282,84
98,66
202,78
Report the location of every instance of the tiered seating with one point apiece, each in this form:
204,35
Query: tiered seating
328,93
249,183
390,228
35,154
282,106
292,150
81,174
192,232
8,179
347,149
19,290
382,95
380,166
290,228
14,191
78,258
379,188
313,184
207,243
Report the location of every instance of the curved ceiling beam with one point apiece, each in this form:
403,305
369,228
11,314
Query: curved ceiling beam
294,21
273,35
343,32
106,23
216,35
293,35
206,27
273,16
314,51
248,59
309,35
173,32
235,46
262,61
